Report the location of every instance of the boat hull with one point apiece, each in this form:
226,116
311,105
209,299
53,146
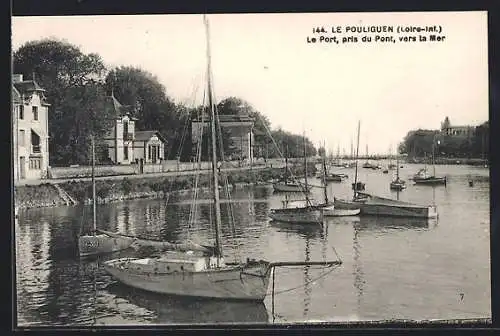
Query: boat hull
430,180
309,215
239,282
101,244
397,186
379,206
281,187
139,242
333,211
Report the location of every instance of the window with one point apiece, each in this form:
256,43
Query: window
35,112
35,164
21,112
125,130
149,152
22,138
125,152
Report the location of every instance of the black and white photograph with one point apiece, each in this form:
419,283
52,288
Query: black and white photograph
270,169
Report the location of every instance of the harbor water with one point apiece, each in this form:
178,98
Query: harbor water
393,268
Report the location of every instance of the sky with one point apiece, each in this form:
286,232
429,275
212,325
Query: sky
322,89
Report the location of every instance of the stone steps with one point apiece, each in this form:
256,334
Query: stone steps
68,200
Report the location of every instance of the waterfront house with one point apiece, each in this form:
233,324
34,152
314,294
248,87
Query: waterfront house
464,131
240,128
127,145
120,137
149,146
30,129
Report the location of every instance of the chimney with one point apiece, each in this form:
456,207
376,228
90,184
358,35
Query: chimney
16,78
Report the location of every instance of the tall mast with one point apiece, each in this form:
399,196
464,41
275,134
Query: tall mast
356,169
94,219
324,174
215,181
433,148
397,166
286,164
352,150
305,169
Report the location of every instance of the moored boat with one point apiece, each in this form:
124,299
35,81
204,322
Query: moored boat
186,274
423,178
94,243
397,184
290,187
306,213
380,206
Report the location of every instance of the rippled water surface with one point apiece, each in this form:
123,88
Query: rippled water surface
392,268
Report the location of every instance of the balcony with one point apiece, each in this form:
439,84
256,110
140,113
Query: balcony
128,136
36,151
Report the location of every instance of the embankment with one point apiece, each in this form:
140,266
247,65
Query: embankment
108,190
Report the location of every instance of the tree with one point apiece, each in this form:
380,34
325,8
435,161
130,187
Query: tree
83,108
72,80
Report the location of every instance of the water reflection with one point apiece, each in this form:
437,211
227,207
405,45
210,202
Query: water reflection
177,310
392,266
388,224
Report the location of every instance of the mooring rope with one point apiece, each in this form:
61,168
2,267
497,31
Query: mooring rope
322,275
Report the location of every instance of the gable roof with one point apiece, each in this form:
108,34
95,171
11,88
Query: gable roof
116,108
146,135
16,96
28,86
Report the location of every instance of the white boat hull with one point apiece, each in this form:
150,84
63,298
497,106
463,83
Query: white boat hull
229,283
298,215
101,244
330,210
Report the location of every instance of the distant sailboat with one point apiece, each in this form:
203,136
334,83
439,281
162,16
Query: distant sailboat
329,208
286,185
397,184
307,213
424,178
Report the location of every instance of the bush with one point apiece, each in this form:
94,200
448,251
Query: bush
126,186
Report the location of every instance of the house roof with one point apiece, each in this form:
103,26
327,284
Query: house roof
28,86
146,135
16,96
117,109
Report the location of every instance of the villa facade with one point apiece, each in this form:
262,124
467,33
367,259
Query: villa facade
127,145
30,129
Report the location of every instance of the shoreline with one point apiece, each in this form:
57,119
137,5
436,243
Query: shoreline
77,191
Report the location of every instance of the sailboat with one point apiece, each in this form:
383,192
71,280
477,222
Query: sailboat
194,274
424,178
287,186
348,205
329,208
397,184
99,243
307,213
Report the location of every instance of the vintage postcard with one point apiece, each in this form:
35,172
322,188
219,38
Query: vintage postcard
250,168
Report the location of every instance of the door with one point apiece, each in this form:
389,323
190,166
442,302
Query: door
22,167
153,154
